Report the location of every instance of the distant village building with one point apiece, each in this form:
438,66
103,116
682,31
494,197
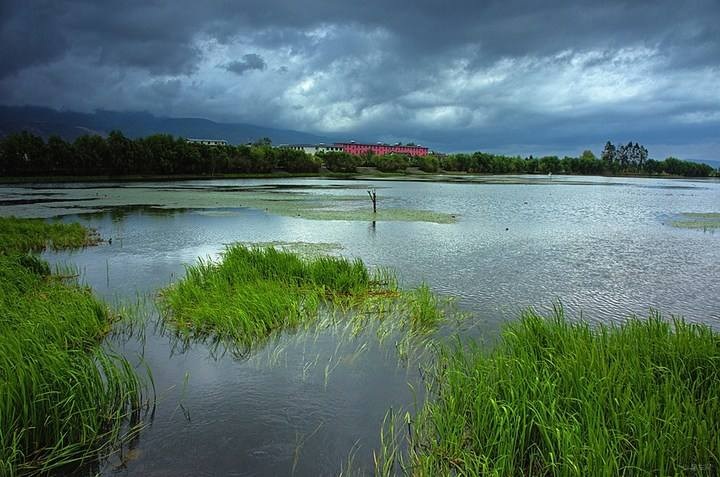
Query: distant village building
312,148
207,142
380,149
357,149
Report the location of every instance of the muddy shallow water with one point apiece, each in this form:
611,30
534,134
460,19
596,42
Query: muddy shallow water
309,401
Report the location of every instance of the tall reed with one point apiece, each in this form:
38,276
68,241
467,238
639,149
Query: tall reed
64,399
562,398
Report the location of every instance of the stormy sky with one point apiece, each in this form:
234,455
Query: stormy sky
507,76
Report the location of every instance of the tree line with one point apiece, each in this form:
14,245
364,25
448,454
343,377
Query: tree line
630,159
25,154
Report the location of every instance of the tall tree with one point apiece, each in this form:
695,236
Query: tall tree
609,154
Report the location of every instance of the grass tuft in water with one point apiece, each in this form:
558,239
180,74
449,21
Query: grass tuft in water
562,398
23,235
254,291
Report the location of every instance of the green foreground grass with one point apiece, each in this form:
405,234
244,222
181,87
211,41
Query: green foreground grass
64,399
562,398
23,235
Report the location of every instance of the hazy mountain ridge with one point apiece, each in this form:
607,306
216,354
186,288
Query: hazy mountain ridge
69,125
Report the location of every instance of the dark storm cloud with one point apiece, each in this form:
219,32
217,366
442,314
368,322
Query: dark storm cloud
28,36
462,74
251,61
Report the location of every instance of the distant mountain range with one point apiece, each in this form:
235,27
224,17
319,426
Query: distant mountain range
69,125
710,162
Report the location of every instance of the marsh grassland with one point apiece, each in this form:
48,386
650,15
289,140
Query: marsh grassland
277,354
561,398
64,399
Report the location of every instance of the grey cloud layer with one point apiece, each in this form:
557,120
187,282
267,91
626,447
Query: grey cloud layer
467,74
251,61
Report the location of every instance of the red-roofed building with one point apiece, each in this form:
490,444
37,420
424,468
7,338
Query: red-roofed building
380,149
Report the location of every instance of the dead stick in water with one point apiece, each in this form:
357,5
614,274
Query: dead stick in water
373,197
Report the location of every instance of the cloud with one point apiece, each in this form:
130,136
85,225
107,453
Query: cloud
496,75
249,62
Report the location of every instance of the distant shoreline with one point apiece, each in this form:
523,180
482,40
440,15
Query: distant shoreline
366,174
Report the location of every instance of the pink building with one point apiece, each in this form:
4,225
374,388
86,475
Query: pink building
382,149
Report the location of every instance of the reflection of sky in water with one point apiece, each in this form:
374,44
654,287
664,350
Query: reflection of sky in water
602,249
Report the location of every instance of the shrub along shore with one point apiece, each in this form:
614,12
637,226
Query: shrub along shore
64,398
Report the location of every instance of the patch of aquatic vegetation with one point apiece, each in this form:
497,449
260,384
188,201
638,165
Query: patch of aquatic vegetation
304,249
22,235
252,293
698,220
563,398
65,400
389,214
304,203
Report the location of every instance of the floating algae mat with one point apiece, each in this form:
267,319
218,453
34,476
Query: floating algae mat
698,220
398,215
253,292
293,202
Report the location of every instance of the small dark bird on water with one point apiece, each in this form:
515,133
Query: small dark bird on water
109,241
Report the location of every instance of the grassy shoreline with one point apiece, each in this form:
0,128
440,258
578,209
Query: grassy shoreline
64,398
562,398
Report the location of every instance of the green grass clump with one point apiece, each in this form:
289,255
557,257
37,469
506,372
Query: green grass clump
22,235
423,310
561,398
64,399
254,291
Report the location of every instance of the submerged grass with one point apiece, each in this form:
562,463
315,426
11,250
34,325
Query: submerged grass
562,398
698,220
366,215
64,399
22,235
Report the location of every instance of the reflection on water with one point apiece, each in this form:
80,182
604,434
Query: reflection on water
603,246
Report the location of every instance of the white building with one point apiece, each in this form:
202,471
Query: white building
313,149
208,142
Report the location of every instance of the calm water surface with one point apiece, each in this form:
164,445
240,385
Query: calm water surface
603,246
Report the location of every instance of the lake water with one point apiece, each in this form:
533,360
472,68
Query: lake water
309,401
